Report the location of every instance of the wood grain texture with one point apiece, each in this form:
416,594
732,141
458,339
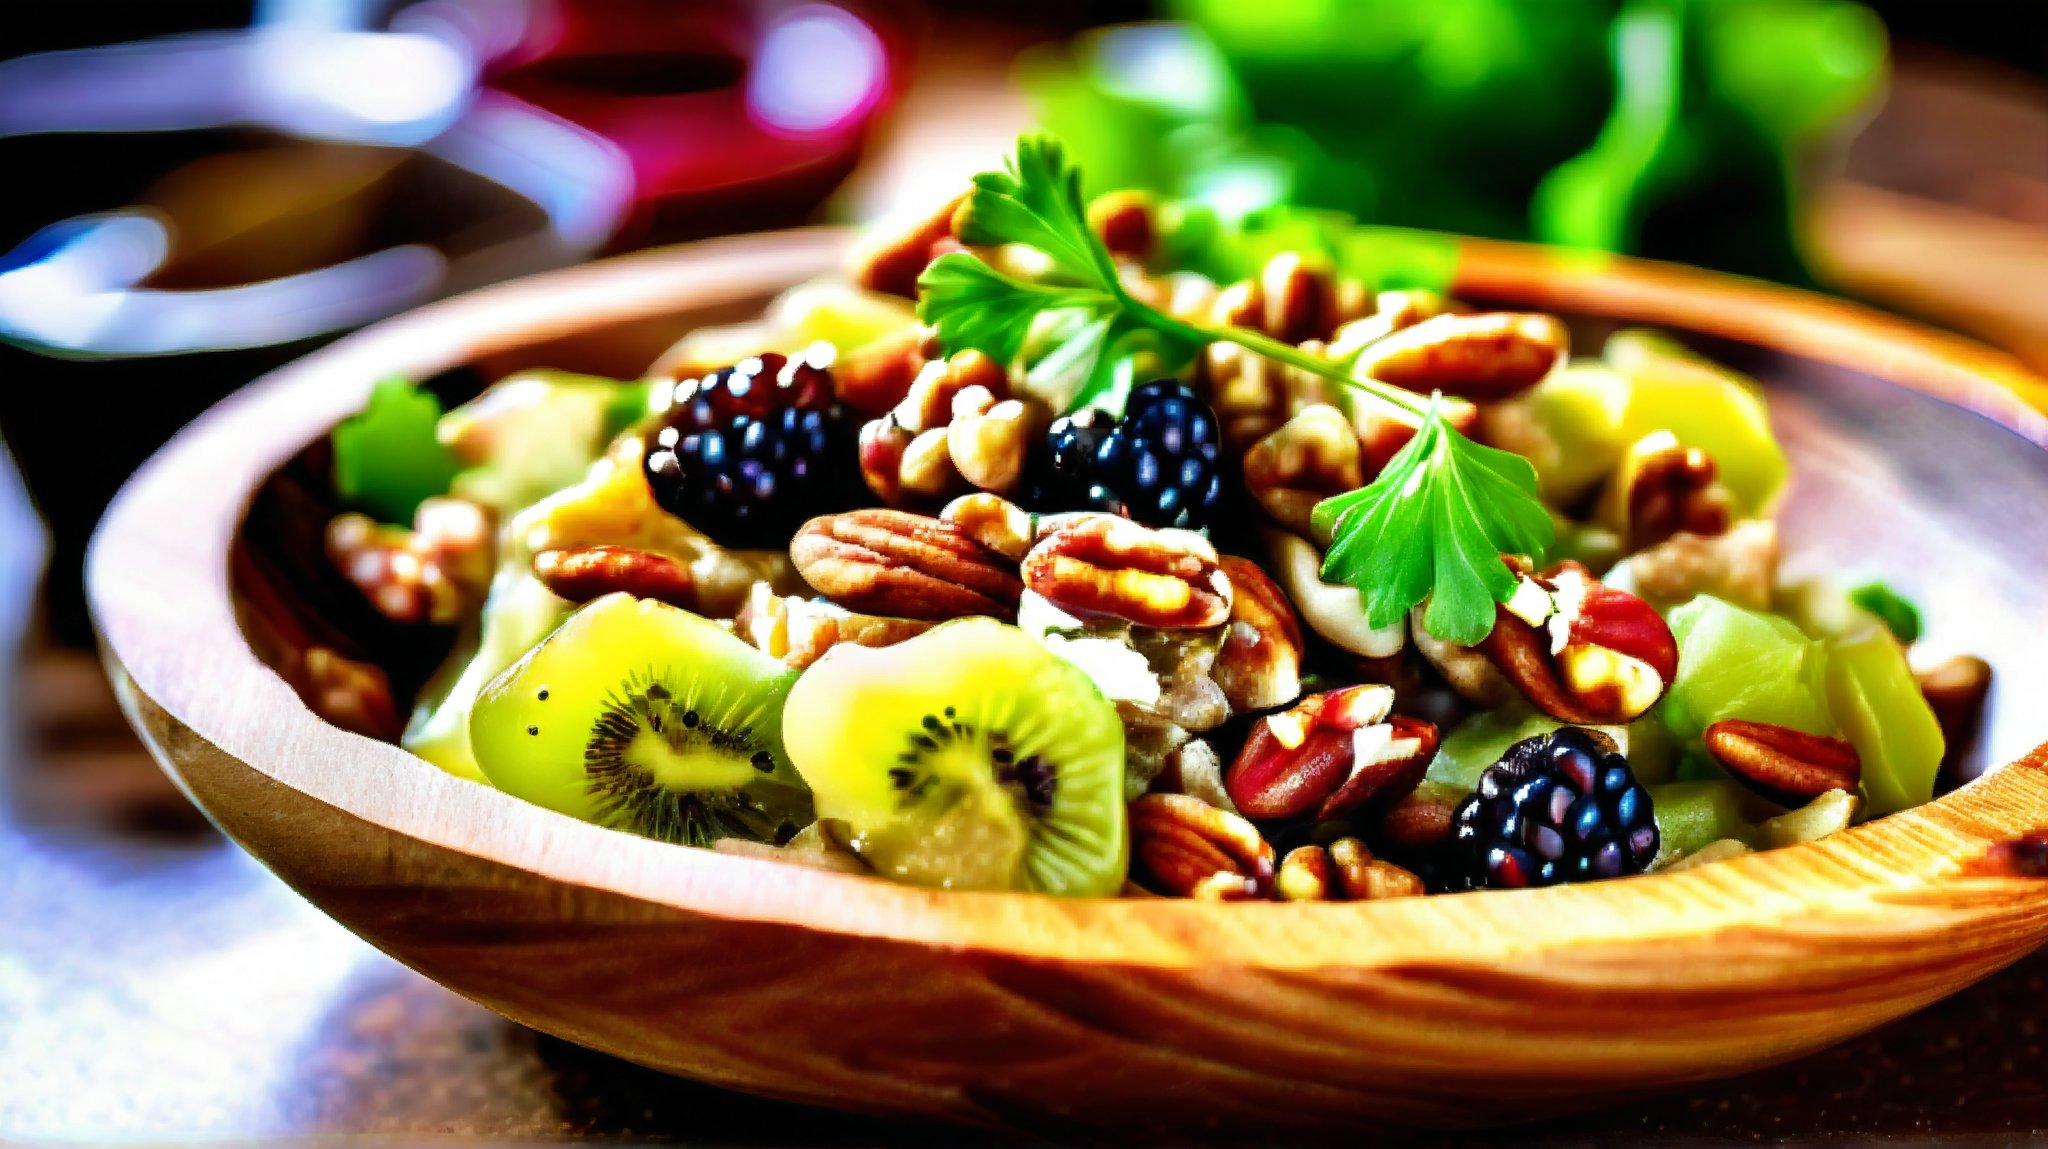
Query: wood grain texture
1016,1010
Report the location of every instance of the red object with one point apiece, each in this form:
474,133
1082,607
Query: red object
679,89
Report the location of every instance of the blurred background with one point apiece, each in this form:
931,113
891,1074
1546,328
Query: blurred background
197,191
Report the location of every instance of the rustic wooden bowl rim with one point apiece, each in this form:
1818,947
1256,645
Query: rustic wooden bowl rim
158,580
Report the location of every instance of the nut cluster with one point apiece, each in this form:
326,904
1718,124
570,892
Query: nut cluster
1578,650
434,573
955,430
1343,871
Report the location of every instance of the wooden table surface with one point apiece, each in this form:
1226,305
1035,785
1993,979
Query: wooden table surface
156,983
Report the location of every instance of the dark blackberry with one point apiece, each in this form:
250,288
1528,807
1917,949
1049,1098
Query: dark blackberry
1158,466
752,450
1560,807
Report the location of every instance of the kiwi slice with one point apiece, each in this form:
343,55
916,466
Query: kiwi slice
643,717
969,757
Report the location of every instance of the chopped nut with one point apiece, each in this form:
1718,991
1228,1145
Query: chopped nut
993,521
876,376
1662,488
1259,666
1342,871
1335,612
1422,820
1955,690
1188,848
1195,769
350,694
892,262
1331,755
989,440
1830,813
580,574
433,573
1313,456
799,631
1739,565
1105,565
1602,657
955,429
1123,221
1715,851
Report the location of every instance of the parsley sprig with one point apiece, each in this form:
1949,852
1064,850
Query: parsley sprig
1433,525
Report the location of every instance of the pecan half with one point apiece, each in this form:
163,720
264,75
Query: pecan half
580,574
891,262
1601,657
1332,754
1311,457
1105,565
1484,357
1187,848
898,564
1342,871
1788,766
1259,666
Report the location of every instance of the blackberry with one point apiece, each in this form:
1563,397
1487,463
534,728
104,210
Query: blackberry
1158,465
1560,807
752,450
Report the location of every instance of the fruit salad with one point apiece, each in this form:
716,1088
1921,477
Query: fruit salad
1110,548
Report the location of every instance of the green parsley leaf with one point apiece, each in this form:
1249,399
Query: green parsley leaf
1433,526
387,460
1895,610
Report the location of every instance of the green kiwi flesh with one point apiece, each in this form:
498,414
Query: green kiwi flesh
642,717
969,757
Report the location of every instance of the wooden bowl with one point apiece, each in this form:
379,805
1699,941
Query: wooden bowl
1146,1014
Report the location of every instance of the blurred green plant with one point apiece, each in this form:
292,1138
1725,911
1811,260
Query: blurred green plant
1663,127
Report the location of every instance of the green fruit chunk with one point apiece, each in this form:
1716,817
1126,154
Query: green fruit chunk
1705,406
1877,700
386,458
1575,422
645,718
1691,815
838,313
1483,739
1736,663
517,613
532,434
969,757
